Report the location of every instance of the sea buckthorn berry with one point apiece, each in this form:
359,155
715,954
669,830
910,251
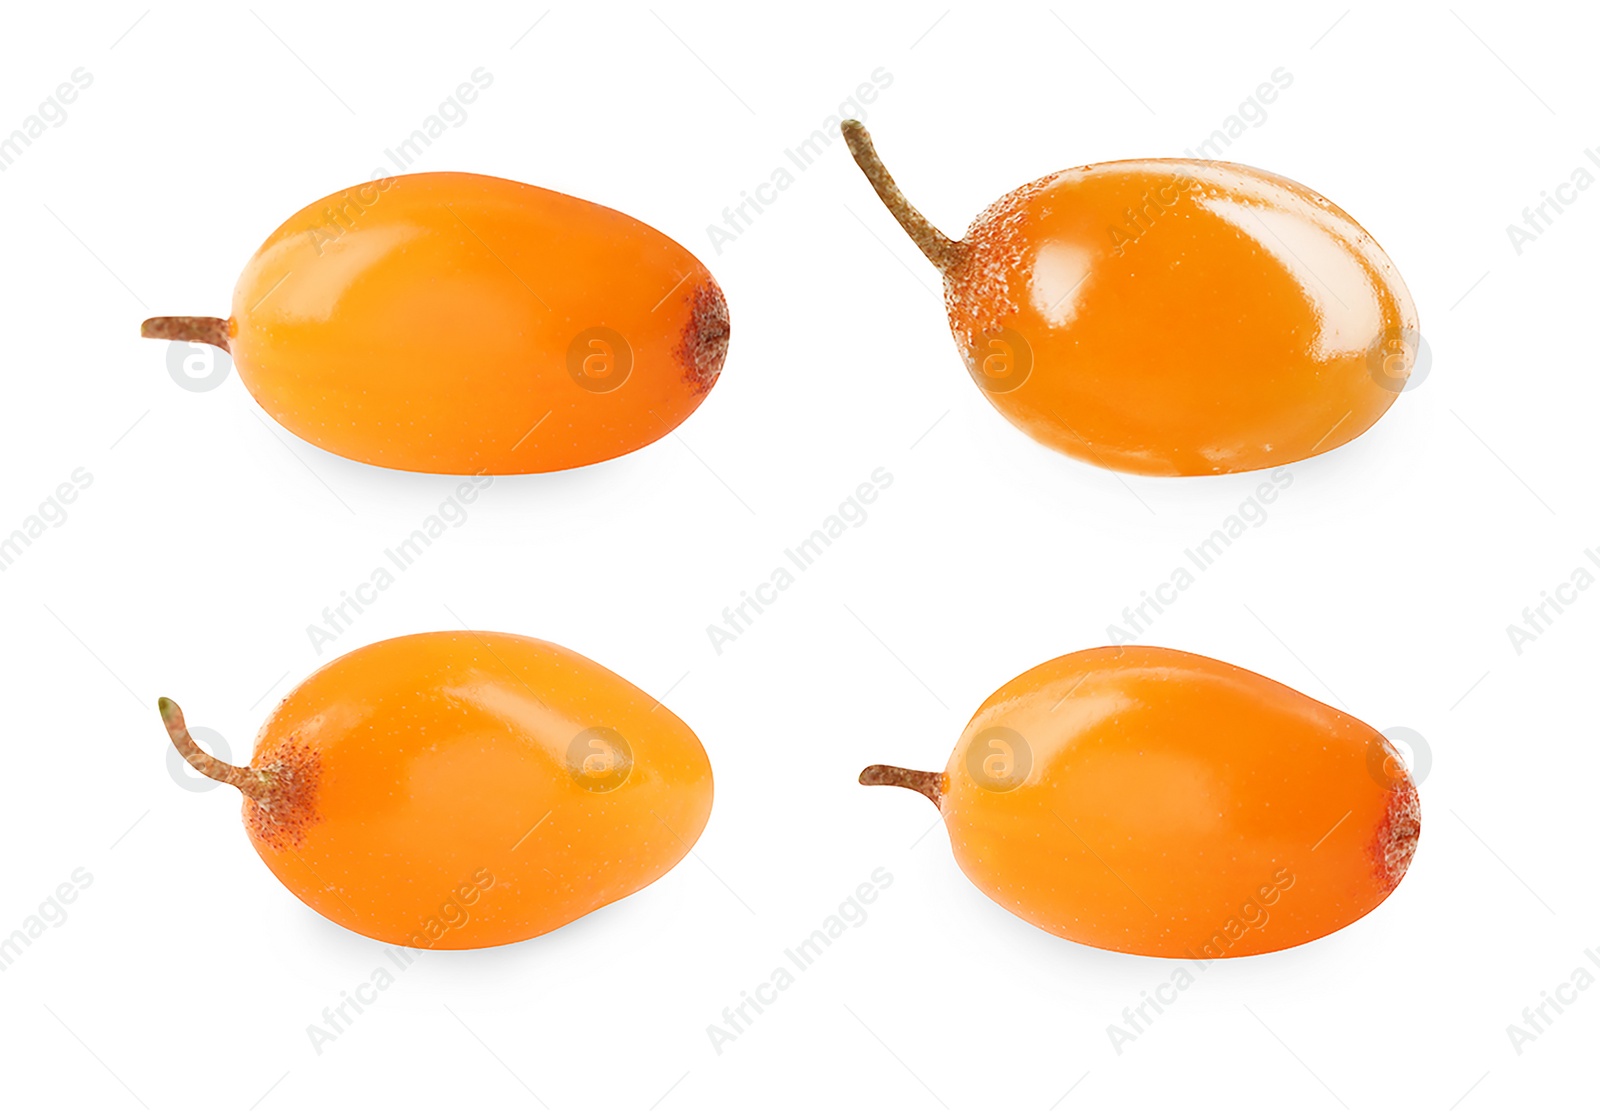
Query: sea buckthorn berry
1157,802
1170,316
463,324
462,789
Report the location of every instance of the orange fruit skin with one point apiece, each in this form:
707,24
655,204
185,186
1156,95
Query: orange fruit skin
1178,317
1171,805
446,791
447,322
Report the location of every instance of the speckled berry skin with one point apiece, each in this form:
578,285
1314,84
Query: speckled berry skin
459,789
1171,317
1181,318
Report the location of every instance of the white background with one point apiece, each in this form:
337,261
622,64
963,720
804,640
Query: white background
184,979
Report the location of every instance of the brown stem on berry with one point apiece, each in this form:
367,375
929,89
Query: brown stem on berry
944,253
254,784
926,782
187,328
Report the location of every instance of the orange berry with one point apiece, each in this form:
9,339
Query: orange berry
463,324
1162,803
1171,317
462,789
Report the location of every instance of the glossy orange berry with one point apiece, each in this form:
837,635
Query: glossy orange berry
462,789
463,324
1169,316
1163,803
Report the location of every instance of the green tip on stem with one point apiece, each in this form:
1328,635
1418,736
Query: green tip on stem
254,784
